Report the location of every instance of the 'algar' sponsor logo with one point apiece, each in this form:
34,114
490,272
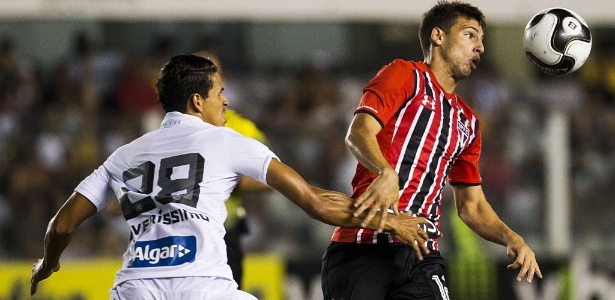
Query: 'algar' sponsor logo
168,251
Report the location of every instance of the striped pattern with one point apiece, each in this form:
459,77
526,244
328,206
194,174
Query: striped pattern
429,131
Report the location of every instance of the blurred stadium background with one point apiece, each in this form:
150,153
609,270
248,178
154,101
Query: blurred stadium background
76,82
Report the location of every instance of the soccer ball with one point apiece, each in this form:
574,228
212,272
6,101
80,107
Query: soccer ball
557,41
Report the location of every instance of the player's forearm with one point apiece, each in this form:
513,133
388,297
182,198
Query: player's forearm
338,210
364,147
56,241
485,222
60,230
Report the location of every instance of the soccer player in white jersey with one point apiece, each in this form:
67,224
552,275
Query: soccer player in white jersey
172,184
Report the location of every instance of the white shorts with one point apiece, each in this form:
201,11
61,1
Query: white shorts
179,288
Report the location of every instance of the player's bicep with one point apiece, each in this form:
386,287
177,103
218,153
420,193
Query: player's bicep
249,184
364,123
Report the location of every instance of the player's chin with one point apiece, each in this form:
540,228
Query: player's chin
465,73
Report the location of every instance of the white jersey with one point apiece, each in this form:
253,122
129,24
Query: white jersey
172,184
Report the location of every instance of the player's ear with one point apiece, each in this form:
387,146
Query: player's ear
196,102
437,34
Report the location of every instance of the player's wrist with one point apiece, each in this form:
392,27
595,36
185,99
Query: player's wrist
46,265
391,224
386,171
512,239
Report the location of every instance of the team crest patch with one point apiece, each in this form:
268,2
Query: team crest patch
463,124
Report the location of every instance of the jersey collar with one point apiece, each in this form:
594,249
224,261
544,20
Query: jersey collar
174,118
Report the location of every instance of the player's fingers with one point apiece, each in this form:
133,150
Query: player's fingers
362,204
362,198
530,273
524,264
370,215
360,209
383,219
524,270
417,250
424,247
533,270
422,239
34,280
512,254
514,265
33,287
538,272
395,207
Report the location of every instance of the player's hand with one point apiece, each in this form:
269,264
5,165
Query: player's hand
525,260
382,194
409,230
41,272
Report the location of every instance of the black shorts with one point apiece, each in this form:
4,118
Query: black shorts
381,272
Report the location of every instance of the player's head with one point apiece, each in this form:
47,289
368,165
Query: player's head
445,15
181,78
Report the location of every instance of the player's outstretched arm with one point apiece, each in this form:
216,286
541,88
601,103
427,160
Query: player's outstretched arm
402,226
475,211
59,233
337,209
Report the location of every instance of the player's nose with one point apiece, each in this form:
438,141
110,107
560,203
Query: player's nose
480,47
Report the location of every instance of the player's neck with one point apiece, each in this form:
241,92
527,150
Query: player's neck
443,74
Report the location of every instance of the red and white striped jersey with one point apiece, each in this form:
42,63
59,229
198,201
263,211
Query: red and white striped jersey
428,135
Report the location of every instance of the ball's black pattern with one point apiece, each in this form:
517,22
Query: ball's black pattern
560,38
562,67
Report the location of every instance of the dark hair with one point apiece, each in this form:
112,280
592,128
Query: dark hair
444,15
182,76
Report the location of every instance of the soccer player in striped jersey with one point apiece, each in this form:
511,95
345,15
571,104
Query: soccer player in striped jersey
172,184
411,133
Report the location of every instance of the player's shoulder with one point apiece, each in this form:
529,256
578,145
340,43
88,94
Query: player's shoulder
400,68
404,65
233,137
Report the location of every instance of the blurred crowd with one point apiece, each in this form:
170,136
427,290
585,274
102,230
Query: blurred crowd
58,124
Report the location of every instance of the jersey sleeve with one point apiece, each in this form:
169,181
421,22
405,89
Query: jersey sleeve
249,157
387,91
465,169
96,188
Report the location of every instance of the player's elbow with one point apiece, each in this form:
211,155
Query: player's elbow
60,227
464,213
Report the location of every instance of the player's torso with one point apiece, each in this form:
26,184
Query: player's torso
421,142
172,197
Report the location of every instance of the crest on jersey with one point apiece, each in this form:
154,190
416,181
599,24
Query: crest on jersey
462,123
